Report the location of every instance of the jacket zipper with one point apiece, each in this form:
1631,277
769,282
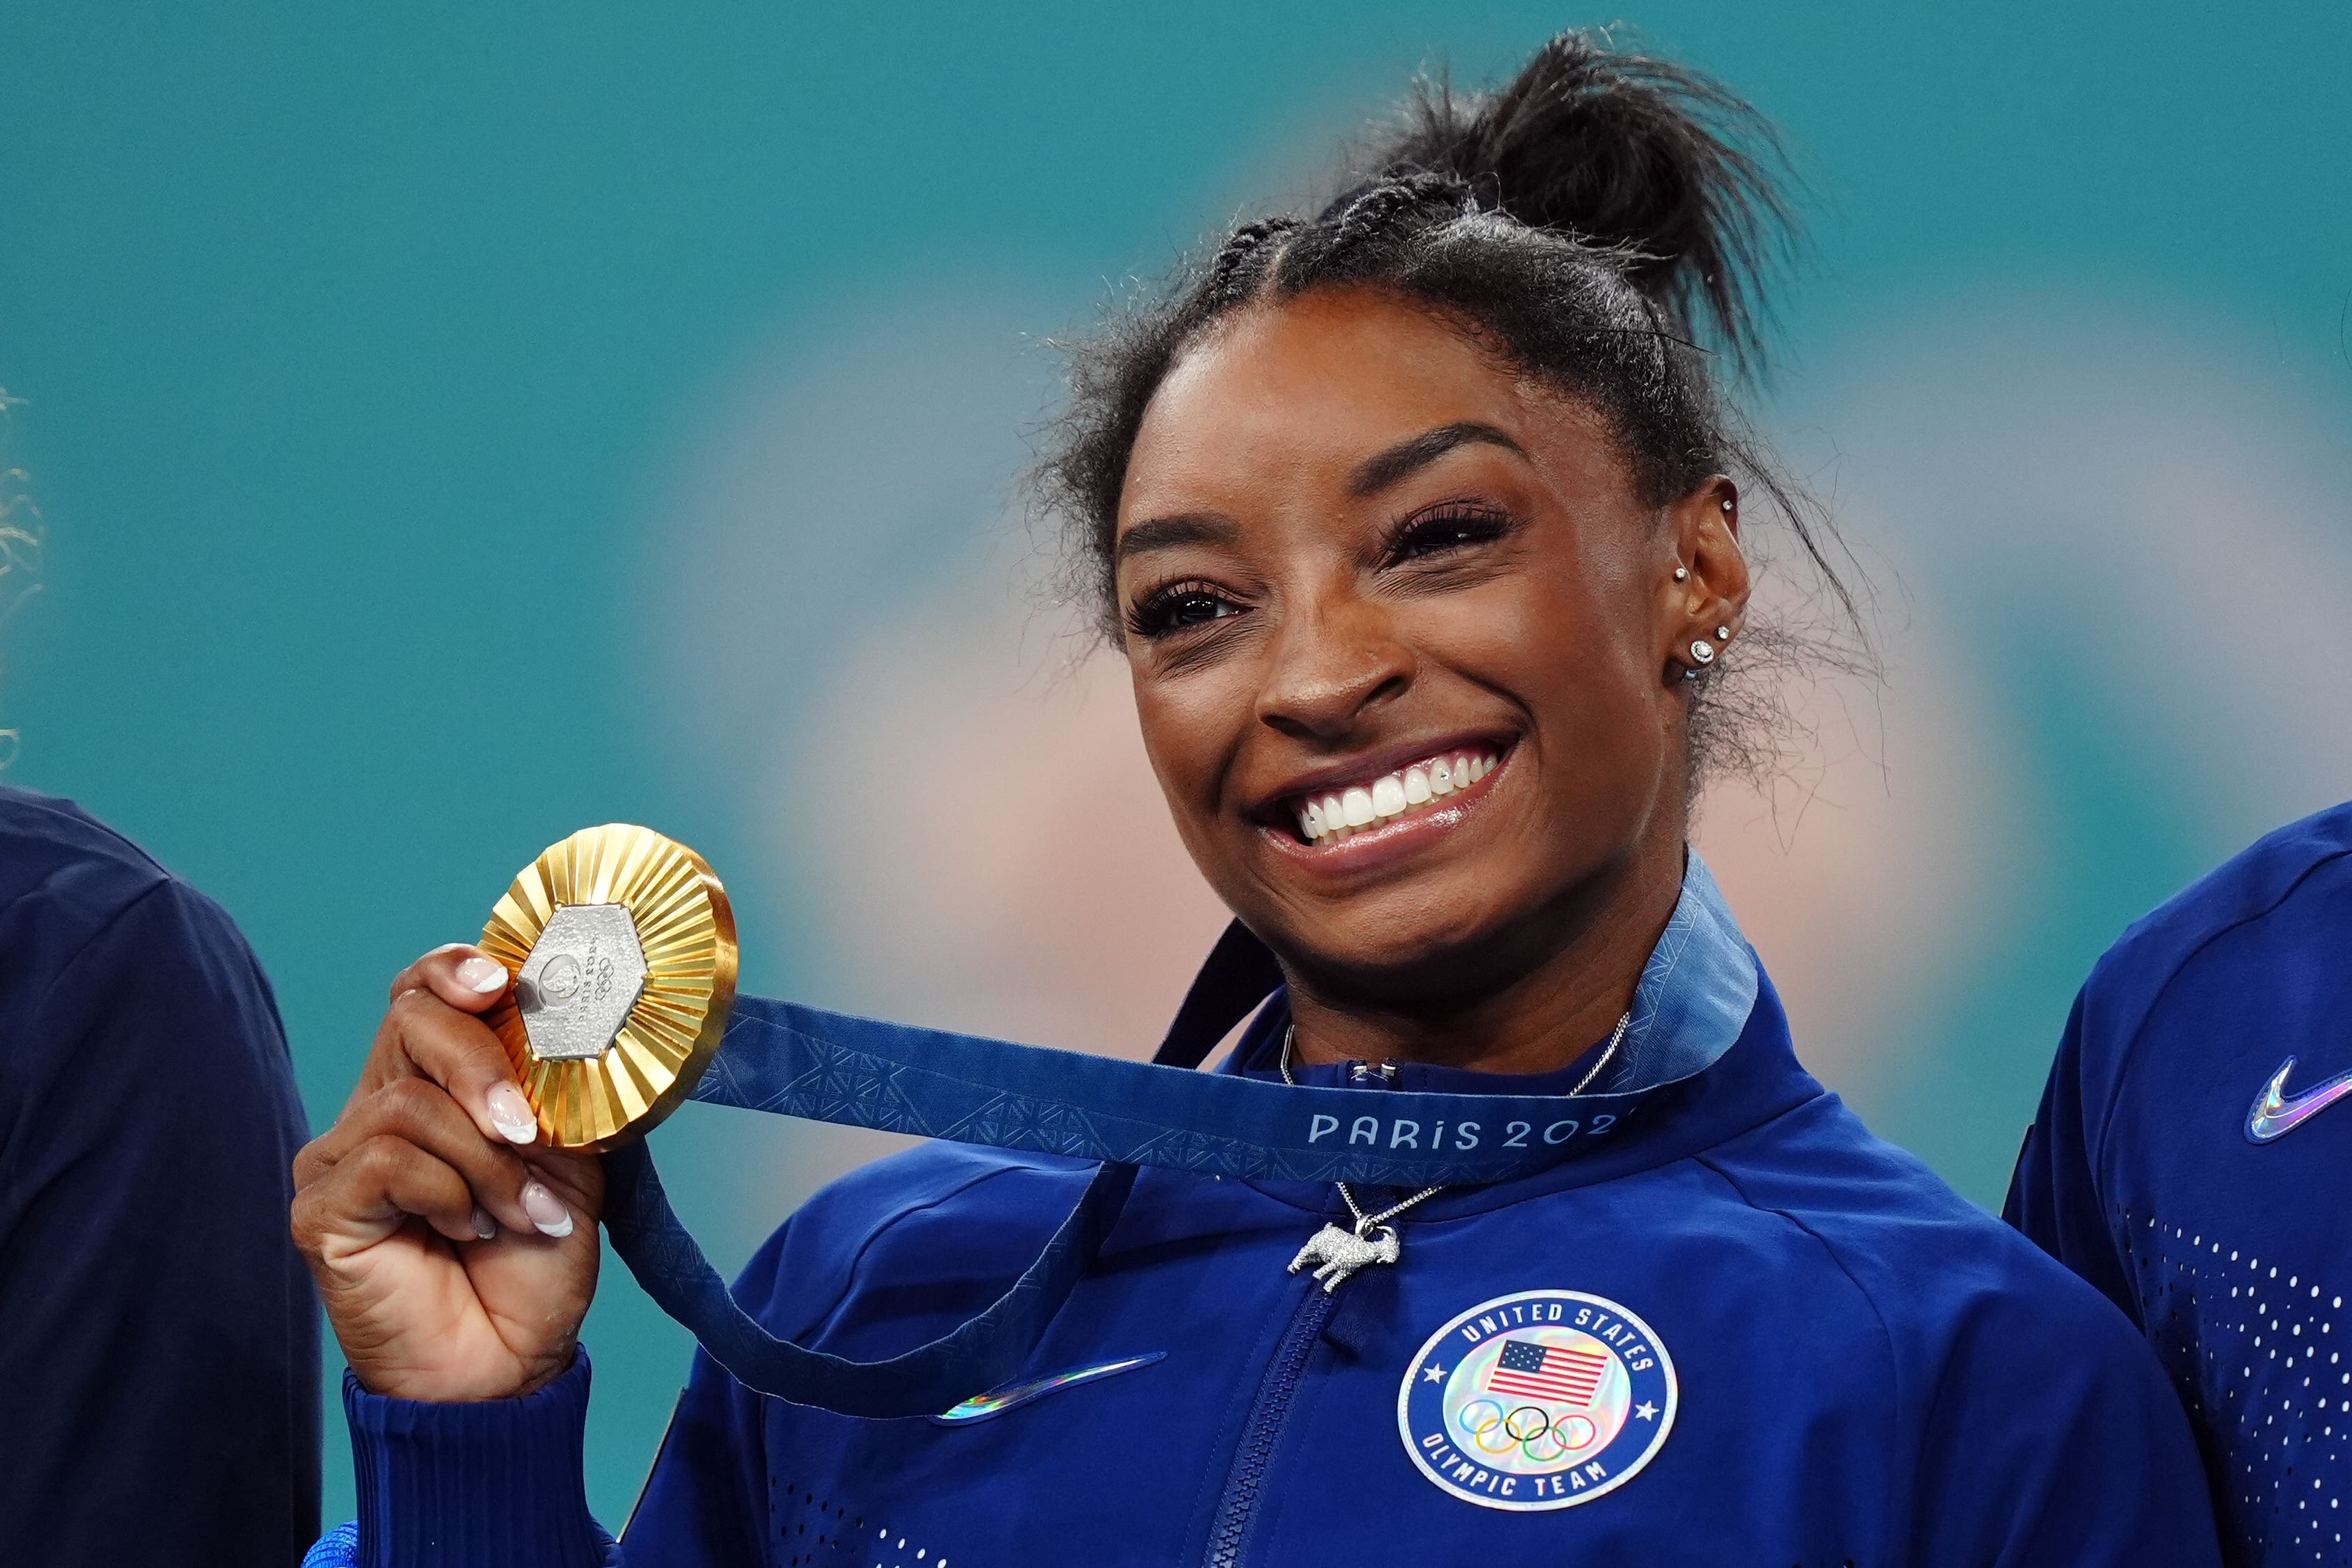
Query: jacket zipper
1276,1390
1261,1437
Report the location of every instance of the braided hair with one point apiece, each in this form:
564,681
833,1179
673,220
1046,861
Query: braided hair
1605,221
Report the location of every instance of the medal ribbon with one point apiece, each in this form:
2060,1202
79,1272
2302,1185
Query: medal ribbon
1695,996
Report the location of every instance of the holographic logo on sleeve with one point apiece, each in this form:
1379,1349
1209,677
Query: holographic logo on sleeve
996,1402
2276,1114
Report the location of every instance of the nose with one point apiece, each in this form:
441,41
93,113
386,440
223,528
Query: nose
1333,665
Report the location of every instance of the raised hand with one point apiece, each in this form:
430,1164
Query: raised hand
455,1255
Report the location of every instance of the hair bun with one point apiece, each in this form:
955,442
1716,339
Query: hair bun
1623,151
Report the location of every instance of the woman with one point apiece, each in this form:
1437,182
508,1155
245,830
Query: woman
2186,1161
1415,521
159,1346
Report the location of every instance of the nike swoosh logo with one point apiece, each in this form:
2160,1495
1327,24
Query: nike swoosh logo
2275,1116
985,1406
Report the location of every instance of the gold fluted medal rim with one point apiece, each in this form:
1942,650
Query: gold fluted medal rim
687,929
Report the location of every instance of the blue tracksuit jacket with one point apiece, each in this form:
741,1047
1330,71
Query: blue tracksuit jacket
1748,1332
159,1342
2225,1237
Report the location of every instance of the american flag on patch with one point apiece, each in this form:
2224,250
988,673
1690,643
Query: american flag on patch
1571,1376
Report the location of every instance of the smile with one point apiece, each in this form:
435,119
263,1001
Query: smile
1333,814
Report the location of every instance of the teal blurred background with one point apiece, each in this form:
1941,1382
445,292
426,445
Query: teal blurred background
450,426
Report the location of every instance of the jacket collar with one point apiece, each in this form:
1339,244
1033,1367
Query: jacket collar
1708,1040
1694,999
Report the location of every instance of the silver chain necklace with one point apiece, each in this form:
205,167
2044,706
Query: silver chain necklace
1340,1253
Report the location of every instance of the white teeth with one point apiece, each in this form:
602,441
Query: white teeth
1333,818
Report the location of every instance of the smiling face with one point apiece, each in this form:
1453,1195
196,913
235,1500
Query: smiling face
1402,635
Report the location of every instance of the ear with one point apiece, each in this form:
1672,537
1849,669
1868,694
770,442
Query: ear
1703,601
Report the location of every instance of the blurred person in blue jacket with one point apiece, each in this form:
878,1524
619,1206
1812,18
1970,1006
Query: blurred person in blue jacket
2186,1161
1418,520
158,1343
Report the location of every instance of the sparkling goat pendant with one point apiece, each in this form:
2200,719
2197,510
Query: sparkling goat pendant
1342,1252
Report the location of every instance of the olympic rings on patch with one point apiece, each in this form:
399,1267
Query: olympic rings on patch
1530,1428
1480,1416
1521,1418
1544,1447
1575,1432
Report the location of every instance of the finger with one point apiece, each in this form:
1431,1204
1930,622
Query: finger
373,1192
425,1036
577,1179
420,1111
459,973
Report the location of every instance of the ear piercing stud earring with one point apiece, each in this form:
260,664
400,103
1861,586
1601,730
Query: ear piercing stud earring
1682,574
1702,653
1723,634
1726,504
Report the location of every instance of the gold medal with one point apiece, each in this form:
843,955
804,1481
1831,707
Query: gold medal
621,946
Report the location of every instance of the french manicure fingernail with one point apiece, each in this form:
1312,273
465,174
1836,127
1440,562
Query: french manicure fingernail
487,976
484,1225
546,1210
511,1114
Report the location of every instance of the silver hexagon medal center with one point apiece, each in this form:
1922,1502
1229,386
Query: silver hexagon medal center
584,972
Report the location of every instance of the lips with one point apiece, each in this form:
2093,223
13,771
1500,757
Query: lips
1338,810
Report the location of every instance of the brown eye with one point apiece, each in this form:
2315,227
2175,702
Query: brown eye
1179,606
1456,528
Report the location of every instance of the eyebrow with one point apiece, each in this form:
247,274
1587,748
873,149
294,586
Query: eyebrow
1173,533
1373,475
1376,473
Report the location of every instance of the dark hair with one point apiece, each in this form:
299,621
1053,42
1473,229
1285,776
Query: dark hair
1605,221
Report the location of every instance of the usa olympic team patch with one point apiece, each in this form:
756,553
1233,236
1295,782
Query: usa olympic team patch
1545,1399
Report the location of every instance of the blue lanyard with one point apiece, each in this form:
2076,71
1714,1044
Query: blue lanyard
1695,996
